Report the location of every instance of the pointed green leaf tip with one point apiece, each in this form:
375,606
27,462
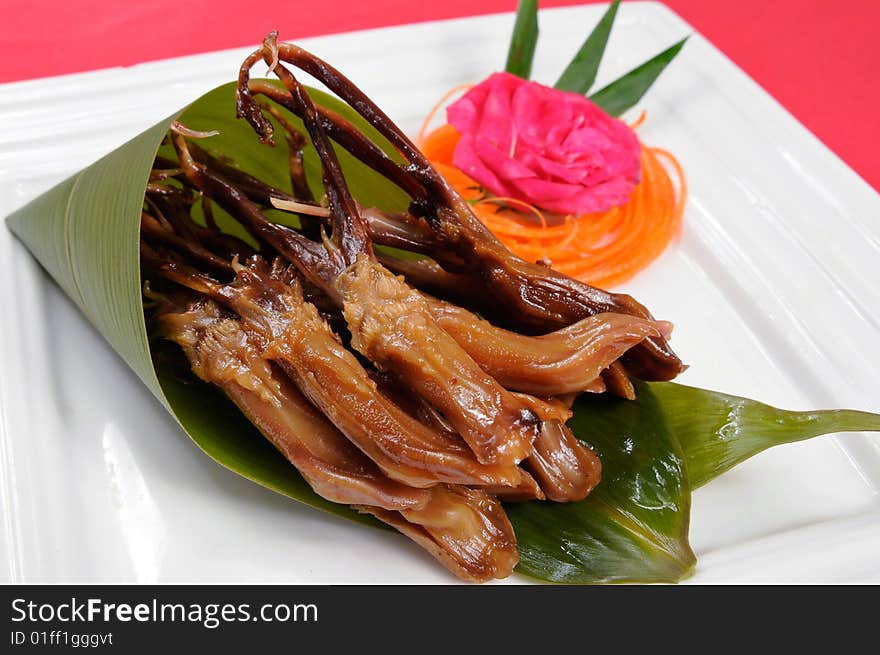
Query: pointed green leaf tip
717,431
525,37
626,91
580,74
654,450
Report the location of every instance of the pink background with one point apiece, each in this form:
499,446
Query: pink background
819,58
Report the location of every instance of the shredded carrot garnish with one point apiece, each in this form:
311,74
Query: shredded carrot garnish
505,202
423,131
639,120
605,248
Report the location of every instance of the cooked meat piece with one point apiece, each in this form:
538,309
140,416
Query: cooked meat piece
520,294
568,360
466,529
395,332
294,336
221,352
565,468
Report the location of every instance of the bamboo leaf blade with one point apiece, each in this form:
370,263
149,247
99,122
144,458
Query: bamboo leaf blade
580,74
633,527
626,91
717,431
524,39
82,234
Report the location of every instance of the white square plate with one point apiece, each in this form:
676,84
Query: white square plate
773,288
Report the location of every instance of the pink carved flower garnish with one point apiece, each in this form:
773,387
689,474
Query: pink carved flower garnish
553,149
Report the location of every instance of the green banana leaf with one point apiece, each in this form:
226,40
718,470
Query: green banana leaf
718,431
85,233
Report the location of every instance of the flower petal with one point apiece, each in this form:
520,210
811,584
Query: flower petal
550,148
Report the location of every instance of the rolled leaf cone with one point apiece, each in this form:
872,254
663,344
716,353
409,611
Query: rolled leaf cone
85,234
